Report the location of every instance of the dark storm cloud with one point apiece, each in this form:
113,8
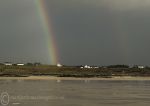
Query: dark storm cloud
102,31
21,37
87,31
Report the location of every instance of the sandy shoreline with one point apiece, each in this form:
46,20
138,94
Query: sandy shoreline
72,78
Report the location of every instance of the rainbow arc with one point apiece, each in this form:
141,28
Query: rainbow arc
48,31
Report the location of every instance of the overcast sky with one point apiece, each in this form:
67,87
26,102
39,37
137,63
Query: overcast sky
94,32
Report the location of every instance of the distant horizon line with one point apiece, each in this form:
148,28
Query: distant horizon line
73,65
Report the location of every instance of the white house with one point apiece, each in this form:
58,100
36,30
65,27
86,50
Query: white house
59,65
141,67
8,64
86,66
20,64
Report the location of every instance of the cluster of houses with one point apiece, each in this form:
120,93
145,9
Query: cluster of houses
11,64
96,67
20,64
87,66
60,65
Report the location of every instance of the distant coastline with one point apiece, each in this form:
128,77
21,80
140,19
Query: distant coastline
42,71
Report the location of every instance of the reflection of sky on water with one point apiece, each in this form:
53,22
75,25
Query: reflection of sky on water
78,92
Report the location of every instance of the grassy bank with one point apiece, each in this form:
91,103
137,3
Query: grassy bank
16,71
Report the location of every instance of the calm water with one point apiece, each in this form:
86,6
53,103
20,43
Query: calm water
74,93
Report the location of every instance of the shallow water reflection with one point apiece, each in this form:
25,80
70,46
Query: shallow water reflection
76,92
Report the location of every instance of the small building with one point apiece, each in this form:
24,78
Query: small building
86,66
20,64
59,65
141,67
8,64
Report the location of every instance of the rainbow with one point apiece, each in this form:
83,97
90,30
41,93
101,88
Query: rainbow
43,15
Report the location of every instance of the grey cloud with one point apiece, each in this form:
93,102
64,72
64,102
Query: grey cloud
102,31
98,32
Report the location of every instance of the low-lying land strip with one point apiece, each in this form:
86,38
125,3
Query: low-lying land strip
25,71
